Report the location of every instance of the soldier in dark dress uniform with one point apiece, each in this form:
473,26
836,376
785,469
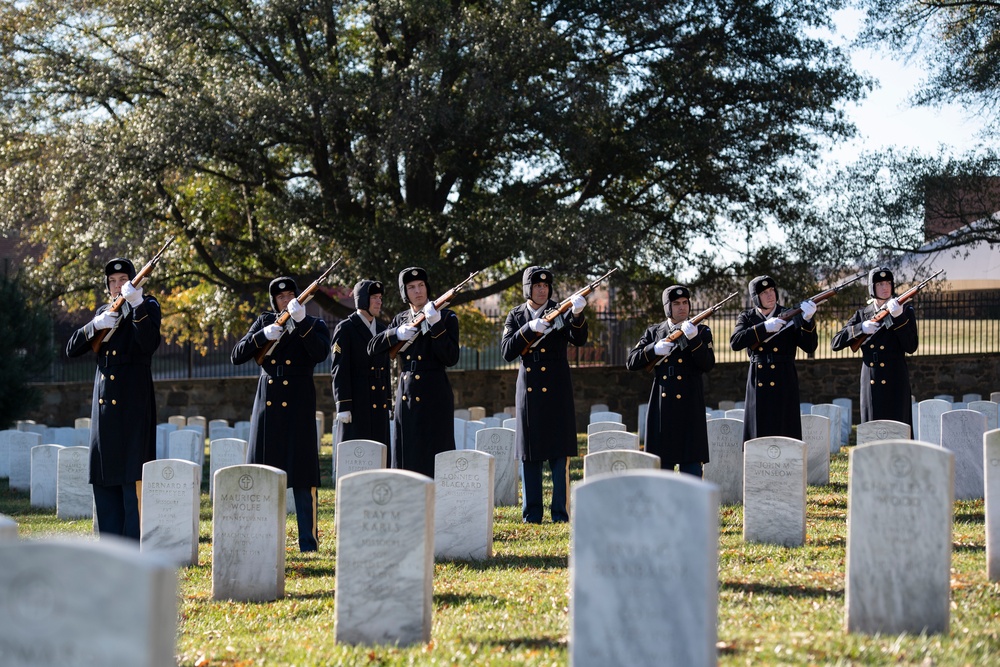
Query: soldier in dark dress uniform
675,421
546,416
361,382
123,414
885,379
424,411
772,398
283,424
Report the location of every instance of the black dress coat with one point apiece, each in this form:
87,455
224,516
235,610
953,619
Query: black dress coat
360,382
123,412
283,423
546,415
424,411
676,428
772,394
885,379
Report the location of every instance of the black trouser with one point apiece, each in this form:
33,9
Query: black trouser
118,509
305,513
531,483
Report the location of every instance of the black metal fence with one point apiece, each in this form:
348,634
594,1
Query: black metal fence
963,323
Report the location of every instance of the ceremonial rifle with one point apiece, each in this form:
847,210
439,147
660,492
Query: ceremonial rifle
303,298
439,303
137,281
676,332
817,299
883,312
554,316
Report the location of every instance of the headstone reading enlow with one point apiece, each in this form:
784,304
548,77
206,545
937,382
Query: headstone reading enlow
44,471
617,461
248,534
463,505
598,427
74,494
882,429
991,466
358,455
19,444
929,415
644,571
171,501
899,538
85,603
385,558
225,452
605,440
962,433
725,459
499,443
774,491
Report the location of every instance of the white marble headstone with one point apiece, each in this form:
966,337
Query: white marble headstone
171,502
929,417
831,412
248,534
882,429
617,461
599,407
44,469
243,430
19,444
805,408
995,396
962,433
215,424
735,413
63,435
945,397
81,436
499,443
224,452
606,416
459,427
177,420
74,493
476,413
643,412
8,528
598,427
82,422
727,405
510,423
162,431
471,428
462,413
816,435
492,422
725,459
846,419
385,558
644,571
605,440
774,491
184,444
720,414
463,505
991,466
968,398
990,410
357,455
85,603
899,538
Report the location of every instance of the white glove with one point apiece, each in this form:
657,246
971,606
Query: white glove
663,347
296,310
895,307
431,313
773,324
406,331
690,330
132,294
808,309
344,417
538,325
579,303
106,320
273,331
870,327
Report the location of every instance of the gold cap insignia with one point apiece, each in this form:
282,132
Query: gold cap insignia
118,266
542,276
414,272
281,285
763,283
882,274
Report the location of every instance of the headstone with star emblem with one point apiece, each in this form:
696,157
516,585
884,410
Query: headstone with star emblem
499,442
816,435
248,533
962,433
644,570
385,558
991,465
605,440
463,505
74,493
725,459
358,455
899,542
774,491
882,429
225,452
171,501
618,461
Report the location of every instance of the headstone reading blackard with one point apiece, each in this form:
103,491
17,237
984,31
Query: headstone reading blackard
644,571
725,459
605,440
248,534
882,429
44,471
617,461
385,558
774,491
499,443
225,452
74,494
899,538
171,501
991,465
816,435
463,505
962,433
929,416
357,455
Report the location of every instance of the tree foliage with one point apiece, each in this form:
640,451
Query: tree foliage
272,136
26,331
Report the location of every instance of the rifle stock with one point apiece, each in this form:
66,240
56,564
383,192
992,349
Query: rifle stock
562,308
674,335
883,312
439,303
303,298
137,281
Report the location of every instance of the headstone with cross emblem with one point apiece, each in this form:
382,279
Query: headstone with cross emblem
774,491
962,433
74,493
463,505
991,465
358,455
171,501
644,570
882,429
617,461
499,442
899,538
248,533
385,558
725,459
605,440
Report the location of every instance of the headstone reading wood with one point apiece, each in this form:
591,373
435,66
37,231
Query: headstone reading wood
816,435
463,505
358,455
991,466
725,459
248,534
774,491
597,427
44,469
605,440
962,434
899,538
882,429
385,558
929,416
225,452
171,501
617,461
606,416
74,493
988,409
19,444
499,443
644,571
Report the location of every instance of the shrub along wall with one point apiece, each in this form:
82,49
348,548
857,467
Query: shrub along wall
820,381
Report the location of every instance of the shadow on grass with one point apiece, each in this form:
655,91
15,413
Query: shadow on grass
515,562
536,643
969,548
971,517
783,591
828,542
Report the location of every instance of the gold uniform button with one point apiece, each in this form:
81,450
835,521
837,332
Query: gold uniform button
543,369
680,361
775,349
284,404
772,367
270,381
273,362
872,346
883,381
772,384
112,377
404,398
417,399
873,381
664,377
415,377
408,356
373,368
760,365
374,406
881,347
678,395
527,369
663,395
288,362
101,401
542,350
114,352
373,387
419,358
529,389
269,404
760,384
284,382
680,377
872,364
882,365
114,402
544,389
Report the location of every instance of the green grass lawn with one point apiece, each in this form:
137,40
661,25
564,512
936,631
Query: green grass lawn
778,606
